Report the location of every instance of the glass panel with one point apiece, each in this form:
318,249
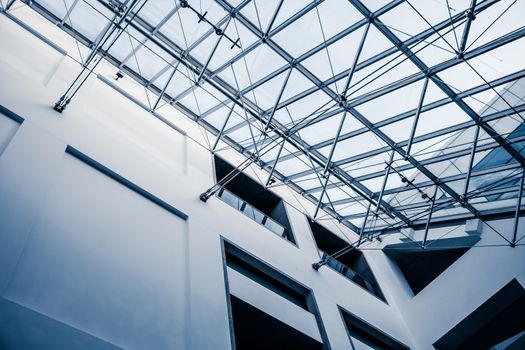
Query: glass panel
253,213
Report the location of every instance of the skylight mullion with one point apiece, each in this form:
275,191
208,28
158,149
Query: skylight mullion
309,53
356,60
451,178
414,40
155,30
343,94
272,170
166,19
364,64
312,5
444,87
445,157
363,226
9,4
385,180
68,12
435,104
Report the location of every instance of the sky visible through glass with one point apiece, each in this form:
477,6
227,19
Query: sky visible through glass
379,112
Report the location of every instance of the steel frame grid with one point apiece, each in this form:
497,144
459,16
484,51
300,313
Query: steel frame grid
290,136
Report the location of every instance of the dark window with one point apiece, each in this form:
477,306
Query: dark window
351,264
253,200
365,333
500,319
420,267
261,273
254,329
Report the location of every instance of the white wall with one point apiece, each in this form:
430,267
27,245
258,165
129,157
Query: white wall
87,252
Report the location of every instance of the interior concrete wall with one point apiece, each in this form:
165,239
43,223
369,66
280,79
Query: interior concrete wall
84,252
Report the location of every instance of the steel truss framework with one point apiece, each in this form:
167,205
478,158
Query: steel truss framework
385,116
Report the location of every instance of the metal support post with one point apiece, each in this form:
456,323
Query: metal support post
274,109
356,59
320,201
517,214
362,230
159,98
217,43
427,226
385,179
466,30
471,163
326,173
274,164
9,4
416,118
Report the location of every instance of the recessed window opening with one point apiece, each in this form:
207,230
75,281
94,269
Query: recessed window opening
363,334
253,200
253,328
352,264
421,267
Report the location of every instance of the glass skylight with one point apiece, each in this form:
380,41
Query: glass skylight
364,95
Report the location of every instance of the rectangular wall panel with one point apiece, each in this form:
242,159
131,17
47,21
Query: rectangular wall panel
105,260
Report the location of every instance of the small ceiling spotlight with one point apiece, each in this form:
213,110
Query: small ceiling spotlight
119,75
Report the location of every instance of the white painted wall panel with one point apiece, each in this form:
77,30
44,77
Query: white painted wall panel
106,261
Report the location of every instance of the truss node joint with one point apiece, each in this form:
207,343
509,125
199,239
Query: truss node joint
316,266
61,104
206,195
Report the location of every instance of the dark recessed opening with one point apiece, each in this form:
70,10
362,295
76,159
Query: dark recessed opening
420,267
255,329
247,269
361,331
249,195
354,260
258,271
499,318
